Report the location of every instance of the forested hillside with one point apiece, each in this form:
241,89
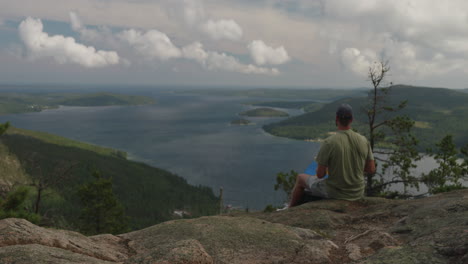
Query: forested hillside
149,195
436,111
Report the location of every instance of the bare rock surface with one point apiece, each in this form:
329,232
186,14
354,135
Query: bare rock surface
39,254
188,251
232,240
373,230
21,232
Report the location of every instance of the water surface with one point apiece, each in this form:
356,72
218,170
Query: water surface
189,135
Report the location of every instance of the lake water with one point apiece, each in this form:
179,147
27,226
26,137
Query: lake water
189,135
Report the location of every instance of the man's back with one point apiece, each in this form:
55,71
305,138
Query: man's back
345,154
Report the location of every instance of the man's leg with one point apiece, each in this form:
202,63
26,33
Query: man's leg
298,191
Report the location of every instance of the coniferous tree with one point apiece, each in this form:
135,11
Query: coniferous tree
15,205
389,135
101,211
450,171
4,127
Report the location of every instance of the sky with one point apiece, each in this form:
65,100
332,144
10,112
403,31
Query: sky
248,43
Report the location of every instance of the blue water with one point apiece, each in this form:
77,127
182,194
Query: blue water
189,135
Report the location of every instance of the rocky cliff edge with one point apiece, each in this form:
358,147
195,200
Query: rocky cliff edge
373,230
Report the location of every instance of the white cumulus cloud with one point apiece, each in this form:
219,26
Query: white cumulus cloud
420,38
222,29
62,49
86,34
153,44
263,54
195,52
217,29
221,61
358,61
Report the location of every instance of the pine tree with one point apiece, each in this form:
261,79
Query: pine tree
14,205
4,127
101,211
450,171
389,135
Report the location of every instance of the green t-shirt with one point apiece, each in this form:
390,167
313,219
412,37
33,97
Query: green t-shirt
345,154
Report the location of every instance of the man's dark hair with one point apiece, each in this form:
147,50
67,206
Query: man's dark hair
344,114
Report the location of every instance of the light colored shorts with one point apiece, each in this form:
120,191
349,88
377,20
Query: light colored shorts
316,187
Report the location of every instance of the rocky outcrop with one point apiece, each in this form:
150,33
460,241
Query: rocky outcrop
430,230
373,230
224,239
19,232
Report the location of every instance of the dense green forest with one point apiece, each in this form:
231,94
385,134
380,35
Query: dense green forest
264,112
12,103
149,195
436,112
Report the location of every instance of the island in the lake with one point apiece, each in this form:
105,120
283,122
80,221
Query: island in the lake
241,122
264,112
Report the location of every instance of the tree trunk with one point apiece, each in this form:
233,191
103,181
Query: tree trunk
38,200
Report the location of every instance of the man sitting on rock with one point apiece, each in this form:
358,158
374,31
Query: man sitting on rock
346,155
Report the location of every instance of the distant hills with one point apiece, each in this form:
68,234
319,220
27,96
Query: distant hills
105,99
149,195
12,103
284,93
437,112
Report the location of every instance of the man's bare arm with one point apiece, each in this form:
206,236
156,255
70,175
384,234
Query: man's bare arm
369,167
321,171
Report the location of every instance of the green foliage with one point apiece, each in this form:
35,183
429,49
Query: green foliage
15,200
285,182
447,188
400,154
101,212
15,205
66,142
387,128
450,171
303,132
269,208
4,127
120,154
